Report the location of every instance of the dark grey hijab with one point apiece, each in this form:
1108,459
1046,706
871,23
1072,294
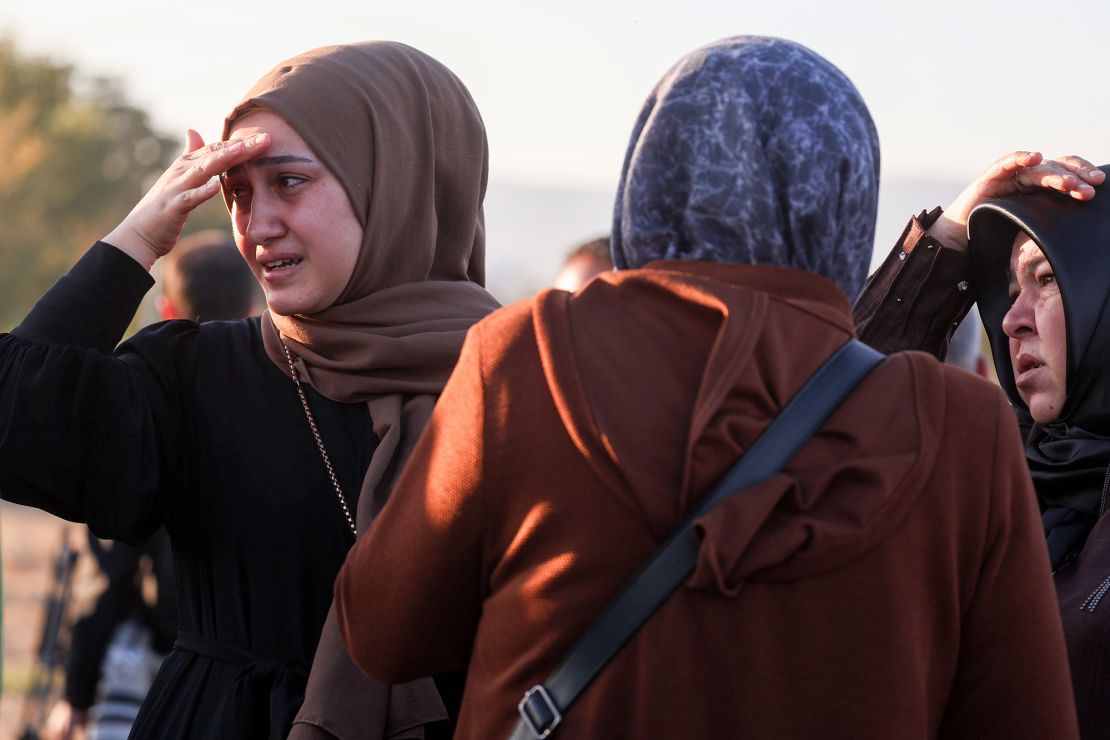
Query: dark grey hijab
757,151
1069,458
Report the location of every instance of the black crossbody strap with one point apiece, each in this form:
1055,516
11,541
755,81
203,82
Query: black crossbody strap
542,707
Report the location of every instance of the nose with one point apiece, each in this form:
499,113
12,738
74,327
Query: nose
263,219
1020,321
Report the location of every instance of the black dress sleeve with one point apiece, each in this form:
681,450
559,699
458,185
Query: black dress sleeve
917,297
88,433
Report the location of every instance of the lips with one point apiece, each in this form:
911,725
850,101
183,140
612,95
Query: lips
1026,366
1026,361
276,265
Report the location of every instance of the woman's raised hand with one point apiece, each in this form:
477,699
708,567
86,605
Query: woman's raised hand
154,225
1016,172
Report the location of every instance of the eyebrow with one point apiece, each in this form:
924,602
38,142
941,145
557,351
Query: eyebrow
280,159
270,162
1029,267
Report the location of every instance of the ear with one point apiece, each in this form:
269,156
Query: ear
166,309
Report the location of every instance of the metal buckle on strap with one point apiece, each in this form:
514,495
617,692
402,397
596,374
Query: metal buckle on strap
539,712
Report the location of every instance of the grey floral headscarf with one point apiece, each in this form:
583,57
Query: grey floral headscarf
752,150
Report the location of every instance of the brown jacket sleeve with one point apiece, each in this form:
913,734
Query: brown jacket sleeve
409,595
918,295
1012,678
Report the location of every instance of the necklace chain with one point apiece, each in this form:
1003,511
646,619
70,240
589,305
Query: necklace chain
289,357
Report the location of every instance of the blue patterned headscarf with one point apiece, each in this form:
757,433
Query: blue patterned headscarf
752,150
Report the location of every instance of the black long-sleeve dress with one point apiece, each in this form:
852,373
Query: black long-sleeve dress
191,426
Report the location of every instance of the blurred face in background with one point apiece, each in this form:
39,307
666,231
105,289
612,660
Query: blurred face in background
578,271
1036,330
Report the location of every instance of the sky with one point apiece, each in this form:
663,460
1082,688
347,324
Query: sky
952,85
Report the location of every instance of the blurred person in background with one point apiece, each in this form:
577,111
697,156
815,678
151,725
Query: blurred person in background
965,349
203,279
583,263
265,445
116,648
889,582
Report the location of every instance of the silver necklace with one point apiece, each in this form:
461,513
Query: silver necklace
289,357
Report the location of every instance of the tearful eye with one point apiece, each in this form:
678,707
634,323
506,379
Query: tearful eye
288,182
236,192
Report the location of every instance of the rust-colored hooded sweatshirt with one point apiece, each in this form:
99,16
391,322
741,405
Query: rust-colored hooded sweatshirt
891,582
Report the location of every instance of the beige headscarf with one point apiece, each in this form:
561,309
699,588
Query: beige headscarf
405,140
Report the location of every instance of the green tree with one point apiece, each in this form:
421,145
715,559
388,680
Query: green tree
77,157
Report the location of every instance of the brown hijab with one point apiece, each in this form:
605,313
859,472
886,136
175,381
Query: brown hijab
405,140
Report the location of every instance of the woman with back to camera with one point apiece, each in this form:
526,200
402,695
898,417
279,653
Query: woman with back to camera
886,583
1038,267
354,176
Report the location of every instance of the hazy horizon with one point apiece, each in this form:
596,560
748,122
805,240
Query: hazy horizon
530,228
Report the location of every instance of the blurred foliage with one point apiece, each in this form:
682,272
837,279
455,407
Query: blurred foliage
77,156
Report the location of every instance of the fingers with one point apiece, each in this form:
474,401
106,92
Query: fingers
193,141
1012,162
198,180
190,199
1081,168
155,223
1087,175
996,180
219,157
1007,164
1072,175
1026,171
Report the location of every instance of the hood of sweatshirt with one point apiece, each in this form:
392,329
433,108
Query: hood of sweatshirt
665,376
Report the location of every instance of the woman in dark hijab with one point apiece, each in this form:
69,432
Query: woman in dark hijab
1035,258
1041,267
354,176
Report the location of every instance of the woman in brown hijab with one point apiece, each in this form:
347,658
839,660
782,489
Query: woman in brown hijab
354,176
